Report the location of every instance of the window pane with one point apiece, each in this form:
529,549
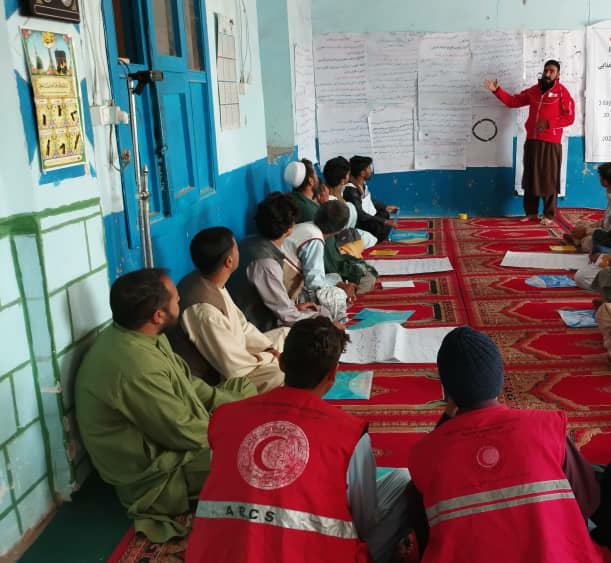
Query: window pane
192,31
126,30
165,24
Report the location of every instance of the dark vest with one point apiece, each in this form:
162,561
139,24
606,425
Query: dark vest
245,294
194,289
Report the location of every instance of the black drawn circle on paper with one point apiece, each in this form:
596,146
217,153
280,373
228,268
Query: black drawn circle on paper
480,137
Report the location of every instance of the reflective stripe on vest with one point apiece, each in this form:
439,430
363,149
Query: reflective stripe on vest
276,516
496,499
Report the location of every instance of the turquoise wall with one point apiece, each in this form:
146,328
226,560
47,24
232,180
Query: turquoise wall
478,191
452,15
232,205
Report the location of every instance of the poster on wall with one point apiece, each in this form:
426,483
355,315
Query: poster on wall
598,99
50,61
305,103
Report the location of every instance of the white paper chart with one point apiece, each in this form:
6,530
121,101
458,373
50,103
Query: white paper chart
391,343
411,266
545,260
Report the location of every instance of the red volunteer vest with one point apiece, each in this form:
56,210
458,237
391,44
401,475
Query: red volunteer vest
277,488
494,490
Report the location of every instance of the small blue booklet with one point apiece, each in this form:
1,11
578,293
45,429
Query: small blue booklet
351,385
370,317
550,281
585,318
405,236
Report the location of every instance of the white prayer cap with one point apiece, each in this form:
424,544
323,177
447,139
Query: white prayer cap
295,173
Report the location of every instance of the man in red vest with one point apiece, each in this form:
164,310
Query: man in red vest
499,484
551,108
293,478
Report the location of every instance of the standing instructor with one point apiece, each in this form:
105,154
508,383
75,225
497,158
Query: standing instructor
551,108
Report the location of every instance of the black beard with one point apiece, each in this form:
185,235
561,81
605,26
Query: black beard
545,84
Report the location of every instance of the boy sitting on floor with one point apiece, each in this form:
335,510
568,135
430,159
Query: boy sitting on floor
581,235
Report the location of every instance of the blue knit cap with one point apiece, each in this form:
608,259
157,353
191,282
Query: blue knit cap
470,367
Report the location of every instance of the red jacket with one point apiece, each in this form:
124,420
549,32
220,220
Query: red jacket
277,489
556,106
494,490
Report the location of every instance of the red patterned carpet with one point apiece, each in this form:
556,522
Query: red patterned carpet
548,366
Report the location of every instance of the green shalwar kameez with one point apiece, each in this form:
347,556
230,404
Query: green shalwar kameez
144,420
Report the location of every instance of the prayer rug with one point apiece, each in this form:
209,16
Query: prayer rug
496,223
570,216
512,314
430,286
478,287
519,234
135,548
594,443
434,313
419,224
481,248
484,265
554,347
436,248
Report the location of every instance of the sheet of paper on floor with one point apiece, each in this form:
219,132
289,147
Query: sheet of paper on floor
550,281
350,385
394,284
391,343
411,266
583,318
545,260
399,235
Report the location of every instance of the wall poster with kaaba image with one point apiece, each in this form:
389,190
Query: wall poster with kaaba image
57,100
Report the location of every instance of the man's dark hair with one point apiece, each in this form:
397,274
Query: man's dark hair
335,171
310,172
210,247
311,350
275,215
604,170
134,297
553,63
331,217
358,164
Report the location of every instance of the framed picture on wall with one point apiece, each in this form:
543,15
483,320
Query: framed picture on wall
65,10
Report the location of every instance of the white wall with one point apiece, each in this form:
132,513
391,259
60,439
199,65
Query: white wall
241,146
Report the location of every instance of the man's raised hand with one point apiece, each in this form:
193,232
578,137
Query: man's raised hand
491,85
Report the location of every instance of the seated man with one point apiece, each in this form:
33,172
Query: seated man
142,416
337,175
233,346
258,286
581,235
305,252
495,480
302,177
372,216
587,277
293,478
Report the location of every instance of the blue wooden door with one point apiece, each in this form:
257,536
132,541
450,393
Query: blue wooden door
174,118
